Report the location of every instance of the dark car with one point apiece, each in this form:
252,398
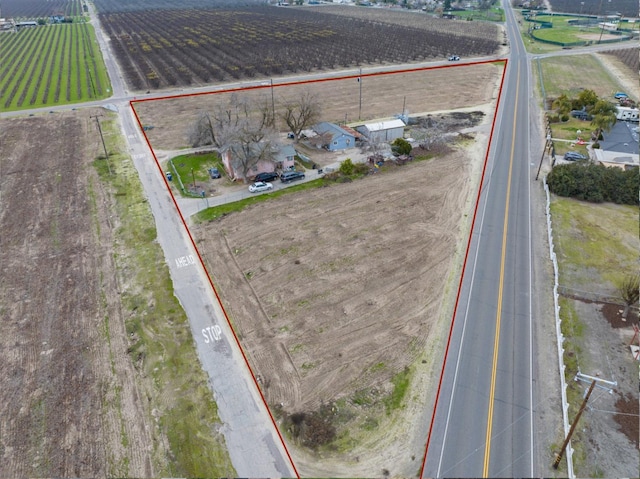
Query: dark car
574,156
581,115
266,176
291,176
214,173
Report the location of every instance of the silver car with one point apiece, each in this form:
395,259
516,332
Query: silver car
259,186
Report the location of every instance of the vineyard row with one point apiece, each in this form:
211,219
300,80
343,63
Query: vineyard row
50,65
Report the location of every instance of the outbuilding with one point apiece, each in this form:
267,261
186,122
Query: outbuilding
333,138
382,131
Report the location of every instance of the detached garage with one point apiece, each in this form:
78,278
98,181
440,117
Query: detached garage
382,131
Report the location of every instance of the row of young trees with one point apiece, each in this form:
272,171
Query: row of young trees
246,129
49,64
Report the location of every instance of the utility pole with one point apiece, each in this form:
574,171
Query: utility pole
106,155
546,146
573,426
360,103
273,106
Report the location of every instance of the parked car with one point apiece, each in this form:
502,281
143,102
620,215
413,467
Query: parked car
214,173
581,115
453,58
259,186
574,156
266,176
288,176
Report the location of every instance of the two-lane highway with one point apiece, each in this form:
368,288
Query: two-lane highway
483,424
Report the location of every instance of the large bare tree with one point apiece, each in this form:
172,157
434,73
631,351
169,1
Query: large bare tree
301,113
242,127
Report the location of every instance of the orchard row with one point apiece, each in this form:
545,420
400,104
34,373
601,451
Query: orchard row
32,9
166,48
48,65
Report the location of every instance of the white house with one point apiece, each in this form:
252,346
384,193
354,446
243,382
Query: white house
382,131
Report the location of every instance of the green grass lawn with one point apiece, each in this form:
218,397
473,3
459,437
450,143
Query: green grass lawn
570,74
195,167
596,244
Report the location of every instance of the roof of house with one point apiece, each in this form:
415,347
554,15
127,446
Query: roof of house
623,138
284,152
325,127
384,125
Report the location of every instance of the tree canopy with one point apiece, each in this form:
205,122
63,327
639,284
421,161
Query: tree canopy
595,183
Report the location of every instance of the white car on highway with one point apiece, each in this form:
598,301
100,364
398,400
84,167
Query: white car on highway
259,186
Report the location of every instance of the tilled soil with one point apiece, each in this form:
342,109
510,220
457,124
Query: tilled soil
67,401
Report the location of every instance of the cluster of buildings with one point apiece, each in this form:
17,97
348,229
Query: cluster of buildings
324,135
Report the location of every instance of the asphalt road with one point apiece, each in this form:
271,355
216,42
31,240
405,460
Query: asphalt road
483,424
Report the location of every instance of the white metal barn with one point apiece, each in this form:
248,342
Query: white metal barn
382,131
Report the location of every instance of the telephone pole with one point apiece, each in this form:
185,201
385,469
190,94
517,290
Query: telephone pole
106,155
573,426
360,103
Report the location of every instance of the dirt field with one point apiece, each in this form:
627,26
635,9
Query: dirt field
94,349
67,398
382,97
318,284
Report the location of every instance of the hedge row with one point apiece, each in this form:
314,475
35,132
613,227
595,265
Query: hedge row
595,183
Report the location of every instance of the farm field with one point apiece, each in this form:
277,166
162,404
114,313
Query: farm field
94,345
51,65
419,91
628,57
160,49
566,74
32,9
340,300
628,8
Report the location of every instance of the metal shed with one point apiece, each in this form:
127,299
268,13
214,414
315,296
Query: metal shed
382,131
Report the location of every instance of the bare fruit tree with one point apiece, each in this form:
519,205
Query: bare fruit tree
301,113
241,128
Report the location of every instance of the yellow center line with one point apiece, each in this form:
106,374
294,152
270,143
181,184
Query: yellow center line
496,342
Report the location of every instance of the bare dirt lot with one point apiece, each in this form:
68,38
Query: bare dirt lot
67,397
318,284
382,96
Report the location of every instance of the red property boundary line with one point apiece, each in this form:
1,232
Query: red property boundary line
464,268
132,104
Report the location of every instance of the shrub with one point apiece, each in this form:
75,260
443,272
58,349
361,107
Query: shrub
400,146
565,117
346,167
595,183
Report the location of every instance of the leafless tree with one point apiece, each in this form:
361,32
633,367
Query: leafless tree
629,289
241,127
428,135
301,113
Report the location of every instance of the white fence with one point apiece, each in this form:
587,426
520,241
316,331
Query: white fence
560,337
